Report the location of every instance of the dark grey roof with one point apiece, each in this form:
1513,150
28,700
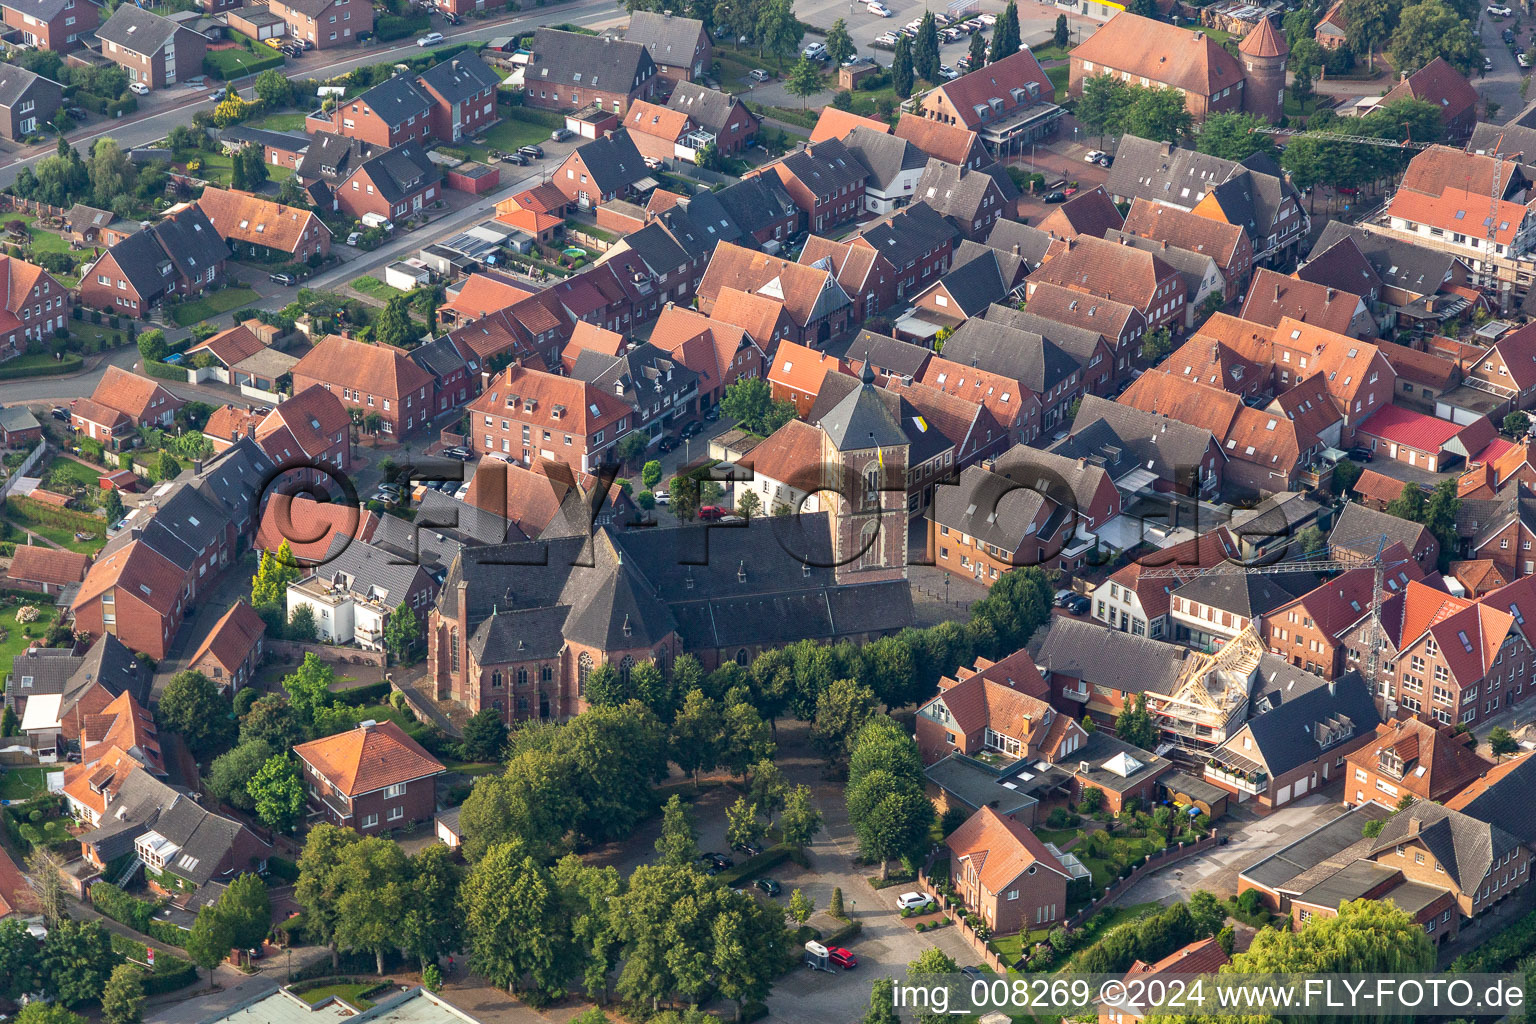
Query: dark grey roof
238,133
1078,342
236,479
1096,654
1341,265
976,284
1307,725
189,240
861,420
1351,882
40,671
642,377
1102,747
1248,596
1022,355
670,39
1021,240
757,202
613,161
368,570
913,231
136,29
587,62
1506,802
399,172
1518,138
1359,527
16,82
661,251
709,218
978,785
1466,847
1250,192
1413,268
1192,266
519,635
144,264
185,525
1000,505
1158,443
439,357
467,524
709,108
1010,266
433,549
1329,842
954,191
396,99
899,358
42,10
331,157
459,78
826,168
884,155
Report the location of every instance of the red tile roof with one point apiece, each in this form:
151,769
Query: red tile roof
138,397
35,563
835,124
1178,56
1455,209
1001,849
373,369
369,758
232,638
138,571
948,142
995,81
314,417
481,295
310,526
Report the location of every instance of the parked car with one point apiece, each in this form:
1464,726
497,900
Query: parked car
1522,60
353,237
283,279
1055,197
884,39
879,10
1359,454
858,61
712,414
711,512
452,19
720,860
963,65
1079,605
768,886
515,158
913,900
430,39
1499,11
59,413
662,497
842,957
759,75
532,152
749,848
1093,156
816,51
972,973
948,73
458,454
274,41
1106,160
559,135
1487,63
1061,598
1508,35
138,88
691,429
668,444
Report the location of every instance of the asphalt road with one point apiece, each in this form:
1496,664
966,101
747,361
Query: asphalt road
177,106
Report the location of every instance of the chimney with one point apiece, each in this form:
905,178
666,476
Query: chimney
1330,294
1277,291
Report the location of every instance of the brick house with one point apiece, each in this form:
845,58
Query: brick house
373,778
1314,630
1272,297
1095,266
50,570
569,70
1001,707
392,113
324,23
1286,752
358,178
1227,244
526,414
918,241
825,180
27,101
231,652
1412,757
973,201
720,353
155,51
463,93
600,171
1008,103
310,432
679,46
1004,872
135,594
733,125
121,403
180,255
256,226
372,379
762,208
816,304
35,305
1141,50
51,24
1446,89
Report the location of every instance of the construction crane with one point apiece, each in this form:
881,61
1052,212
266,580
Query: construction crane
1364,140
1325,559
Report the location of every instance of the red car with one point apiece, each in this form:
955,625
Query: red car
711,512
842,957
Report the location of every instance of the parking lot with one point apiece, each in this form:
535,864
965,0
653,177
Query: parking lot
1036,22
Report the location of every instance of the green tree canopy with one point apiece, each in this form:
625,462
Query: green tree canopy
193,706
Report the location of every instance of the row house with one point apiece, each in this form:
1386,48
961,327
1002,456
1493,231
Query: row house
1409,757
895,165
154,51
1496,476
570,70
977,280
372,379
356,178
463,93
324,24
1274,297
917,241
1090,213
763,209
1012,403
1104,335
178,256
1418,283
679,46
816,304
259,227
525,414
309,435
1507,369
825,180
1182,459
1094,266
951,143
720,353
724,116
866,276
1026,507
1314,631
1203,281
55,25
1048,376
36,305
1137,598
391,113
973,201
659,390
1360,531
797,372
1227,244
232,651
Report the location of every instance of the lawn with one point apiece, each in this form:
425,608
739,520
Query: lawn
16,639
43,239
62,475
376,289
105,337
218,168
353,994
283,121
1059,76
24,782
507,136
212,304
57,524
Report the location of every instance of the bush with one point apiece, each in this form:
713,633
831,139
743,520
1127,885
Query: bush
165,371
170,973
68,364
124,909
388,26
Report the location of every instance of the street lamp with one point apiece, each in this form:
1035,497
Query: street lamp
946,587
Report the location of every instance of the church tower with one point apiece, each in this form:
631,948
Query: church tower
1264,53
864,473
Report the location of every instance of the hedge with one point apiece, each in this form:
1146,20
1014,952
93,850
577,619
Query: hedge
124,909
218,64
170,972
165,371
68,364
755,866
1502,952
843,934
389,26
362,696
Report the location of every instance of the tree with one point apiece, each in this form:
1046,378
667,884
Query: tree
393,327
1207,912
745,740
432,924
192,706
166,467
1135,725
38,1012
76,960
678,843
1005,35
112,504
901,68
1368,24
46,869
841,711
209,941
741,823
696,734
1158,114
748,504
925,48
1430,29
630,447
978,51
518,933
1500,742
402,633
882,1003
931,962
1062,36
309,686
1517,424
21,960
839,43
801,906
750,403
1409,504
272,720
750,945
1301,85
375,894
777,28
1440,518
152,345
248,167
111,172
768,789
801,819
122,1000
277,793
1367,936
273,88
247,907
302,625
273,574
650,474
319,885
1232,137
1156,344
1104,104
835,907
1310,540
485,736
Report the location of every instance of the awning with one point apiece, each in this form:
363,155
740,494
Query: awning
647,184
42,712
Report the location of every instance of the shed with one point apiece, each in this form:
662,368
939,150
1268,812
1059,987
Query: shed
848,78
407,274
448,832
474,178
122,480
